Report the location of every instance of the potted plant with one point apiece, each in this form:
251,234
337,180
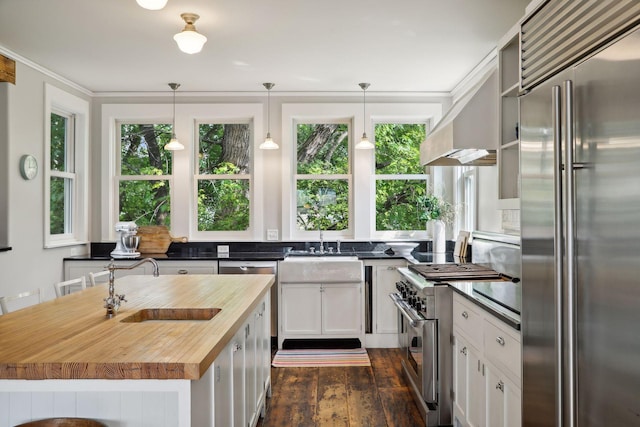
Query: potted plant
437,212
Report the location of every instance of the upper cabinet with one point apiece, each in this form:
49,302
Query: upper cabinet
509,113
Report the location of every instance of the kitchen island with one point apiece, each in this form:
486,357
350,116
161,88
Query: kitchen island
130,371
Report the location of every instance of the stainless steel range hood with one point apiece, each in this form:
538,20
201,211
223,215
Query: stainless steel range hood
468,133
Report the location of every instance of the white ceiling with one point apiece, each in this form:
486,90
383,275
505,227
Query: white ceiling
301,45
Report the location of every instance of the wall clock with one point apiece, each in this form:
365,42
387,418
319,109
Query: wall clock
28,166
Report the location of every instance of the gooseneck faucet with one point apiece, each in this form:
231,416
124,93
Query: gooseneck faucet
113,301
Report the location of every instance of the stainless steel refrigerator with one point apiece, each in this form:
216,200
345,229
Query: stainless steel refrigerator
580,195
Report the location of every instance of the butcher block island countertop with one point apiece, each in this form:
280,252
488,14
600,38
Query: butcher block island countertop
71,338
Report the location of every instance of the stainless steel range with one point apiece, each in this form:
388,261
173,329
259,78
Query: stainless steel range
425,319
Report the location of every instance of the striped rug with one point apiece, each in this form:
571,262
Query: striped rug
320,357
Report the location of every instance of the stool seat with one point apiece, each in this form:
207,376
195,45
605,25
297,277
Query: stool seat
64,422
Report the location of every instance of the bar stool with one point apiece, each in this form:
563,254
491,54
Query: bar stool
64,422
21,300
69,286
98,278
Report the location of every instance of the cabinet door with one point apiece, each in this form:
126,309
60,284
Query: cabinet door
476,402
250,373
342,309
237,354
386,314
223,388
503,399
301,309
460,377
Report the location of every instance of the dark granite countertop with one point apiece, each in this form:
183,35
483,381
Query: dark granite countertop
492,294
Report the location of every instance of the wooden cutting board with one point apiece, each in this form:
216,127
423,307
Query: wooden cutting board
460,249
155,239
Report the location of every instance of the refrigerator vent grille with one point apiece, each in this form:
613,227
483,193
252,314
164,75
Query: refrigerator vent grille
560,33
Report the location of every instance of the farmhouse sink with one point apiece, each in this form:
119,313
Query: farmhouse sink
321,269
172,314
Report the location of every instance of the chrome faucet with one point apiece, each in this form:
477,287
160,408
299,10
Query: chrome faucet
113,301
321,241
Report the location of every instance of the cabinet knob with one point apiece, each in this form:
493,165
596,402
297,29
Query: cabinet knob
500,341
500,386
464,351
465,314
236,347
183,271
392,268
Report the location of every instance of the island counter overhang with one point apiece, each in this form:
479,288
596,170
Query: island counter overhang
70,337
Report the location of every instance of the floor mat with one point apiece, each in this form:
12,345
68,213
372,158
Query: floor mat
320,357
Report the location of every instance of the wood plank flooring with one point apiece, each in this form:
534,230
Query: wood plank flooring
376,396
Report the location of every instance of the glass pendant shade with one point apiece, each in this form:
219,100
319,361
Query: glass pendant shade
364,143
152,4
269,143
174,144
189,40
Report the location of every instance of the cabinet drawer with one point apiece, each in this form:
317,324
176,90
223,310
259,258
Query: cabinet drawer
468,321
502,346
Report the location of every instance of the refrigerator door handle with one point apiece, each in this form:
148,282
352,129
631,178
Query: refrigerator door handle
558,244
570,235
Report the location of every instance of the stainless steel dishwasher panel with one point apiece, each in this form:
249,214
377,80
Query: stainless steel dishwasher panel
256,267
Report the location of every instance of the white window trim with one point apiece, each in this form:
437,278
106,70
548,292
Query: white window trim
460,196
292,115
182,180
398,234
57,100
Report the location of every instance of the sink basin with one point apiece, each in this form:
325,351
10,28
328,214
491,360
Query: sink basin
321,269
172,314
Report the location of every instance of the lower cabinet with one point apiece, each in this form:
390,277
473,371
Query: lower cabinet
233,392
487,359
321,310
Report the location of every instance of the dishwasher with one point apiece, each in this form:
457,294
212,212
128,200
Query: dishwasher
257,267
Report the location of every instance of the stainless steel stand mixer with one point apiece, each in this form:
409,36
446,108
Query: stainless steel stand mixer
127,243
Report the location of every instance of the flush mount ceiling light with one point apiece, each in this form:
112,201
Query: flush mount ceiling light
189,40
152,4
174,144
364,143
268,143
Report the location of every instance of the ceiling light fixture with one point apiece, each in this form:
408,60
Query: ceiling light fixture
174,144
152,4
189,40
364,143
268,143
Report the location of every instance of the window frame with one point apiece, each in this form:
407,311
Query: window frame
184,166
292,115
76,110
397,234
466,178
230,234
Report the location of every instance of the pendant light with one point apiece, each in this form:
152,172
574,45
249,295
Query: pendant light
189,40
268,143
152,4
364,143
174,144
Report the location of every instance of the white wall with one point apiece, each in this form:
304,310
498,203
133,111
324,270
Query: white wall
28,265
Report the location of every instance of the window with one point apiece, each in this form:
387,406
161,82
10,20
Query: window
399,179
66,137
466,197
322,179
143,173
224,177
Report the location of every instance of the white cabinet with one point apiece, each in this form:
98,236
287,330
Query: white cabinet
75,269
188,267
242,374
321,310
509,148
384,315
487,359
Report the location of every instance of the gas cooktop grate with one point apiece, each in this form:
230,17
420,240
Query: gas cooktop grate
438,272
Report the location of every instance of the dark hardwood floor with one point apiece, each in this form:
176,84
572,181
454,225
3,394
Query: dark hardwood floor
351,396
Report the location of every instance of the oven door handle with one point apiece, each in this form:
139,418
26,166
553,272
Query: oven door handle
404,308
